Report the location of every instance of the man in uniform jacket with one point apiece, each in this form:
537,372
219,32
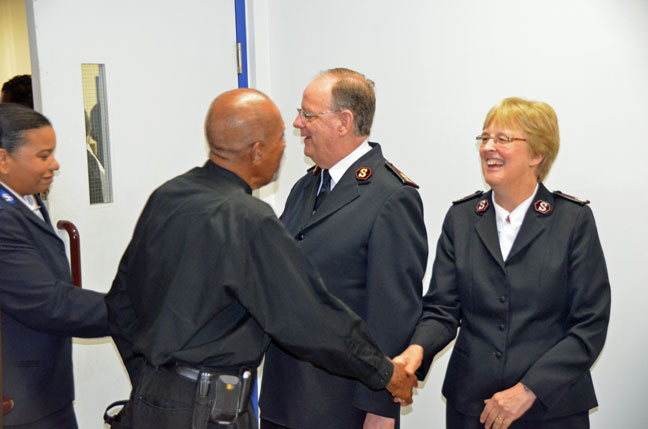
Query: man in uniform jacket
211,276
41,308
360,221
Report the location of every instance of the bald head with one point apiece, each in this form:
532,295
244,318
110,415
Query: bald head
237,119
245,133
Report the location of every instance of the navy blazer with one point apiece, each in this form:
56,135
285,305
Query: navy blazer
369,243
539,318
41,310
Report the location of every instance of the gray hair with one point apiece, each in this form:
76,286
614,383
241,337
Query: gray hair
353,91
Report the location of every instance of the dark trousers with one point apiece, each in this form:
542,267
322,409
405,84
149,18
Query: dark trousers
355,424
456,420
62,419
163,399
265,424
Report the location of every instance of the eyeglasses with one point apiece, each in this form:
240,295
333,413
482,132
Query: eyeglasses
498,140
310,116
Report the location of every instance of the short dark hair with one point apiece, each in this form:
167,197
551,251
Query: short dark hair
14,121
18,90
353,91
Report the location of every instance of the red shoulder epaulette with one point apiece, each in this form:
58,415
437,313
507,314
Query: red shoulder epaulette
468,197
402,176
571,198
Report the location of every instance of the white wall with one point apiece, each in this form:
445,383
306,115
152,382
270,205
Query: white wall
438,67
164,65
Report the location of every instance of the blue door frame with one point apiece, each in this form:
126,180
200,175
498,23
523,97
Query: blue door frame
241,38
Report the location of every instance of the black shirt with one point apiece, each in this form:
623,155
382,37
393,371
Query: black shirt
211,276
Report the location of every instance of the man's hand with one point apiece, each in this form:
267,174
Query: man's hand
374,421
402,383
506,406
412,358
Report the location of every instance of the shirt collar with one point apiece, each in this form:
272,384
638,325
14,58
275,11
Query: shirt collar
212,167
27,200
338,170
516,217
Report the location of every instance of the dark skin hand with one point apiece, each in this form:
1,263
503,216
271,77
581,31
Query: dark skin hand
402,383
411,358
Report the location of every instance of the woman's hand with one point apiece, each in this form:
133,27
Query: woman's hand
504,407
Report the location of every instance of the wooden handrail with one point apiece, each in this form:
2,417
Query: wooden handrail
1,394
7,403
75,265
75,249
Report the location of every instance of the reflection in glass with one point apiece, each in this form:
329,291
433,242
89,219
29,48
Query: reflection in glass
97,143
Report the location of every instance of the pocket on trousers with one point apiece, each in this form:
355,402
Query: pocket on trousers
161,400
158,415
164,403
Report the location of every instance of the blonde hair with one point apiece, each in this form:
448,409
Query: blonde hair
538,120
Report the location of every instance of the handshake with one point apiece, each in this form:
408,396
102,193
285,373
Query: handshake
403,379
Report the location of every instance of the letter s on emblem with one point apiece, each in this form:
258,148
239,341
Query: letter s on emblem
363,173
482,206
542,207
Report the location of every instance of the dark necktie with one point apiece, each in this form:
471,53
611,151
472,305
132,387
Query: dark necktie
324,189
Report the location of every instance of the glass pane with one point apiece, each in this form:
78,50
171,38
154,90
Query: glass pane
97,140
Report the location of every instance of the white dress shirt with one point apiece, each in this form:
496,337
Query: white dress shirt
508,224
338,170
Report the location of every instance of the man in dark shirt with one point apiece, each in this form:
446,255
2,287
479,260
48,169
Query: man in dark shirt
18,90
211,276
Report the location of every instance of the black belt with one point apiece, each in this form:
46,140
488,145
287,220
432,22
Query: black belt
192,373
220,397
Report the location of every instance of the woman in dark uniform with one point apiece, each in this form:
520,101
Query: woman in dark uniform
521,271
41,308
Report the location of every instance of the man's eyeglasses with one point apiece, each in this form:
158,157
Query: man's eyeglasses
309,116
499,139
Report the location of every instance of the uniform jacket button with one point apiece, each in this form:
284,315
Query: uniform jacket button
300,237
503,298
498,355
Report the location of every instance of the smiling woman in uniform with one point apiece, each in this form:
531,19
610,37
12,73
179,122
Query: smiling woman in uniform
521,270
41,308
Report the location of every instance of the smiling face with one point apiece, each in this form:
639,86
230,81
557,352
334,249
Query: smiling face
30,168
510,167
320,132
